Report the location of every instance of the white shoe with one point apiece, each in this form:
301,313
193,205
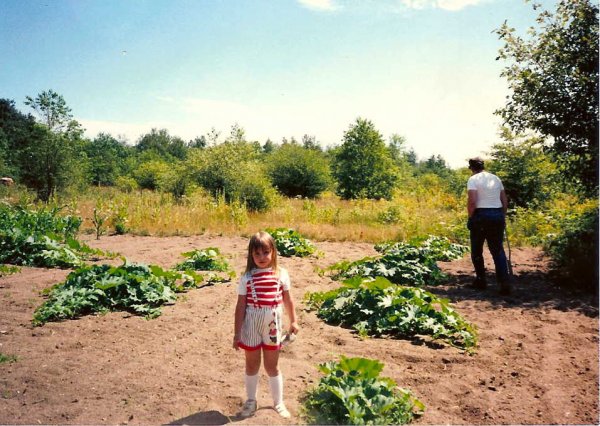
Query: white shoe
282,410
249,408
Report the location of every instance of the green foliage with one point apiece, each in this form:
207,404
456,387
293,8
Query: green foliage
162,144
291,243
232,170
7,358
298,171
403,263
574,250
8,270
377,307
363,166
148,174
136,288
53,157
40,238
108,159
553,77
208,259
526,171
351,392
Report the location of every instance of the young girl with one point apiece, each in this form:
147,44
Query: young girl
258,326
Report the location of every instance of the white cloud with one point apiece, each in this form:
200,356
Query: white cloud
318,4
452,5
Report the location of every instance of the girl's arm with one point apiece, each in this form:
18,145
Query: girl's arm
290,308
240,313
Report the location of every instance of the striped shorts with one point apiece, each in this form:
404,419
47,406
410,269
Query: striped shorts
262,328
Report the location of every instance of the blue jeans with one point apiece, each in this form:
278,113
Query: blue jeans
488,224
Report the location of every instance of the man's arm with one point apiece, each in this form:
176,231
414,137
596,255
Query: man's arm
504,201
472,201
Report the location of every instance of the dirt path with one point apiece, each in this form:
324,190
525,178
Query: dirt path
537,362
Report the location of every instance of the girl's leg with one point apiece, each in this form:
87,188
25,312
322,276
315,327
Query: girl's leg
252,368
271,360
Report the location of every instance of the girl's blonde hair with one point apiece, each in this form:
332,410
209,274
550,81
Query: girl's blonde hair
261,240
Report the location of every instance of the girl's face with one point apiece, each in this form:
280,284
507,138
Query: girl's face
262,256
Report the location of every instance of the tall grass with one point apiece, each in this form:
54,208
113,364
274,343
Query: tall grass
413,212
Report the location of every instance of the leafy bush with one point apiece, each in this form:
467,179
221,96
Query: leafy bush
291,243
574,251
40,238
298,171
351,392
362,166
376,307
136,288
403,263
231,169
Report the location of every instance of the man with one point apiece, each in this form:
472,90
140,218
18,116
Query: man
486,207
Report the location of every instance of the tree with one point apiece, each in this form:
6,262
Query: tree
553,77
363,166
54,156
527,172
166,146
298,171
108,159
15,133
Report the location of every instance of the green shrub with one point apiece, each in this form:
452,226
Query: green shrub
376,307
574,250
148,174
298,171
351,392
126,184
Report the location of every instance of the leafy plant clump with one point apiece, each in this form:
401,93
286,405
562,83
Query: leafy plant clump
413,264
7,358
136,288
377,307
209,259
40,238
291,243
351,392
8,270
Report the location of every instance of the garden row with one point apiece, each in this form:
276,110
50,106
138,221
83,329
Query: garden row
379,296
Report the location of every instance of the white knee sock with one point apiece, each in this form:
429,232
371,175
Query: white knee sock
276,384
251,386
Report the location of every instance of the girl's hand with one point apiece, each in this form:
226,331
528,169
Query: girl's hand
294,328
236,342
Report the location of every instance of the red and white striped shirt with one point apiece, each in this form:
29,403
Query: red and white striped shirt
268,286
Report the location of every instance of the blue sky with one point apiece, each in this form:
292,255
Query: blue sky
423,69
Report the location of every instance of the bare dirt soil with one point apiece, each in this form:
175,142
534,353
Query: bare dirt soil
537,362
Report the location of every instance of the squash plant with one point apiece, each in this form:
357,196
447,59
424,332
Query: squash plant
290,243
377,307
137,288
413,263
352,392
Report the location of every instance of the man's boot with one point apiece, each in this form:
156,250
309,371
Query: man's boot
479,283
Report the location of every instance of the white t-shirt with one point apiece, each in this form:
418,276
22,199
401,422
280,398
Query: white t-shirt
488,187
